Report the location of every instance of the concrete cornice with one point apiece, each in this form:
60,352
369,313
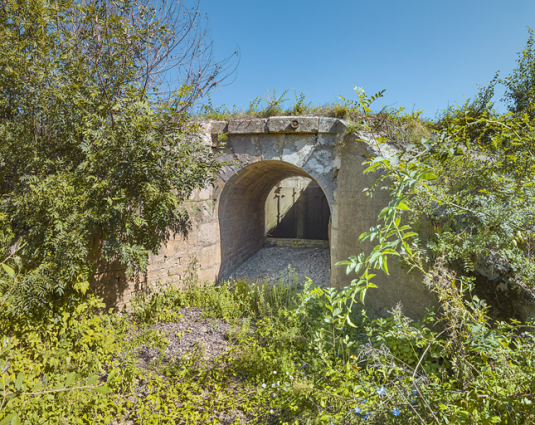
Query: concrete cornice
279,125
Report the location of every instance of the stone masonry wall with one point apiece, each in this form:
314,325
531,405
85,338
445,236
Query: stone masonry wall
228,225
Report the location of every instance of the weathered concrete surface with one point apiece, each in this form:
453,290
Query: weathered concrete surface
355,214
232,226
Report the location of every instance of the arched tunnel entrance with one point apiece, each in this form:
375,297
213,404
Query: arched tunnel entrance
269,198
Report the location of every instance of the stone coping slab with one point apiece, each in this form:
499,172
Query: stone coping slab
279,125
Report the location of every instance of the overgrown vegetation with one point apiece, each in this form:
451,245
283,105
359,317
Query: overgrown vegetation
276,105
92,158
293,361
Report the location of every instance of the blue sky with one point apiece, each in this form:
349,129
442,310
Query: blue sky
426,54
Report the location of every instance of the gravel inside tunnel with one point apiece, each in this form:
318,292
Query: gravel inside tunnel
272,263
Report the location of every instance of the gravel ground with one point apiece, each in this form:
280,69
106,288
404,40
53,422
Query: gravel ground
272,263
193,337
191,333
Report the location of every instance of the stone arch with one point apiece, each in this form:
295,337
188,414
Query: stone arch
227,224
241,209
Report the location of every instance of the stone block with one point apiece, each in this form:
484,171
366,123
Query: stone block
177,271
209,256
248,126
218,127
328,125
207,234
293,125
204,194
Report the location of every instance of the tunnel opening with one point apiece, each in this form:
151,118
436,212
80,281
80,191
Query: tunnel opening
297,208
252,209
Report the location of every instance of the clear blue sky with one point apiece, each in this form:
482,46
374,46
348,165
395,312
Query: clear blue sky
427,54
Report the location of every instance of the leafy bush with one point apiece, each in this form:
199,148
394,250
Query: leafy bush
93,163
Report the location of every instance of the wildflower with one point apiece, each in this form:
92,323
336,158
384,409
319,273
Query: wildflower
274,372
291,378
278,383
415,392
272,385
366,416
274,395
395,411
357,410
264,385
381,391
271,411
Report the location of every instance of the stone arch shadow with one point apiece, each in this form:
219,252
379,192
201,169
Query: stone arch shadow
241,213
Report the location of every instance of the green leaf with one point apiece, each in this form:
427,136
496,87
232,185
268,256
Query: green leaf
37,387
403,206
91,380
112,375
358,268
410,147
385,264
18,382
374,255
9,270
7,419
406,248
428,176
349,268
103,390
15,420
383,212
82,286
70,379
373,166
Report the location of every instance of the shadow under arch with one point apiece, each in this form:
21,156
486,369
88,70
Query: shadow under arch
241,212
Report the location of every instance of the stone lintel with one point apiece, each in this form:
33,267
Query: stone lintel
293,125
254,125
279,125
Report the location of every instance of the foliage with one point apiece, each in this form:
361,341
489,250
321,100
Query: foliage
290,363
275,105
520,85
231,300
91,160
41,360
461,204
471,200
